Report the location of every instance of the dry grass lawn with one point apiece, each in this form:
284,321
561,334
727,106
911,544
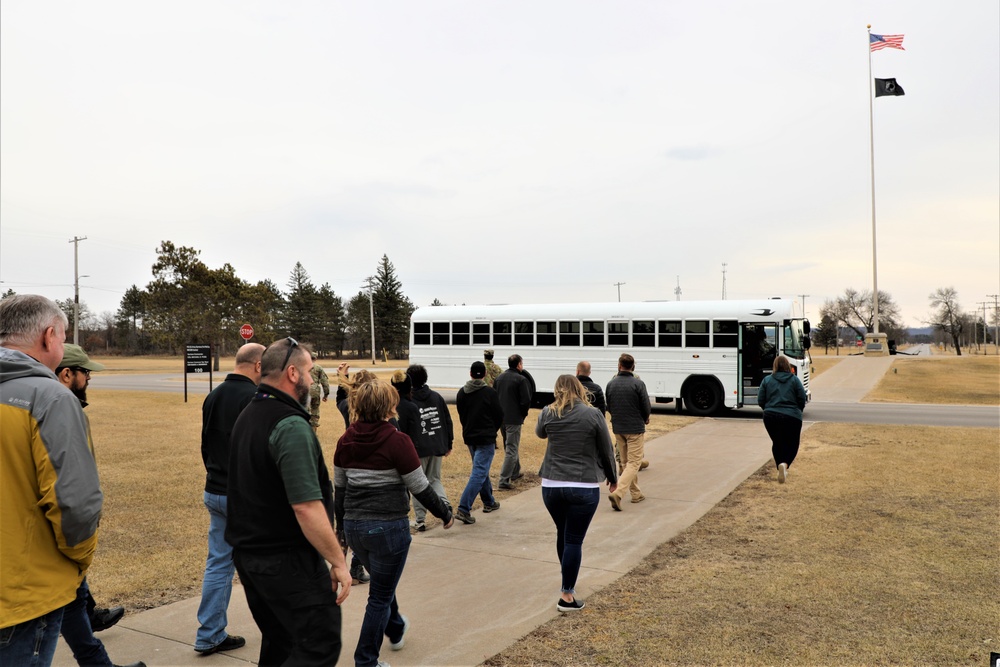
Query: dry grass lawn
966,380
880,550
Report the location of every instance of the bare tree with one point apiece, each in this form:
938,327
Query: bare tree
857,310
948,317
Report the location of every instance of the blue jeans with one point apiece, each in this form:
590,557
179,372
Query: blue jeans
479,479
382,547
217,584
571,509
87,649
33,642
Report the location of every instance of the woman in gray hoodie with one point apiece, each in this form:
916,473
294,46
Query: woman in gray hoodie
578,457
782,396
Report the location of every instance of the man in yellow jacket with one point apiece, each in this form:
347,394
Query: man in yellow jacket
50,495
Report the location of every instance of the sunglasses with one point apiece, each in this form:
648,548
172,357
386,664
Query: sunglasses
77,369
292,344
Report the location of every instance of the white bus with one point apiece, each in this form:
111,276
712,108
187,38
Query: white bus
704,354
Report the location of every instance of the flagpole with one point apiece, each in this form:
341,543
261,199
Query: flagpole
871,139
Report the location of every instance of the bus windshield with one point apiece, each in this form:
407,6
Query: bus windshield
794,336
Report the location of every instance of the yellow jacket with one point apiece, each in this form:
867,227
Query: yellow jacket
50,495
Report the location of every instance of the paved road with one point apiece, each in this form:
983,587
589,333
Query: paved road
835,397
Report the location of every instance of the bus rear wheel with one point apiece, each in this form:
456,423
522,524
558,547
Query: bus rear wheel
702,397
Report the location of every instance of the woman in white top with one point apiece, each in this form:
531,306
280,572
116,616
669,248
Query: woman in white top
577,459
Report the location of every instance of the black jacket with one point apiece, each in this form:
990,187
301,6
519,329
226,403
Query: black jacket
480,413
595,391
436,431
628,403
515,395
218,415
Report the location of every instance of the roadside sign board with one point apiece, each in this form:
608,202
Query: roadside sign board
246,332
197,359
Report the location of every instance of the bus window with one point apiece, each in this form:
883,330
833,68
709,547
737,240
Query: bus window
794,337
670,333
545,333
441,333
480,333
460,333
617,333
501,333
593,334
643,334
725,333
569,334
696,333
421,333
524,333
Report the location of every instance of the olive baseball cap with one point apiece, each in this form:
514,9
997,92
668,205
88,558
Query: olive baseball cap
75,357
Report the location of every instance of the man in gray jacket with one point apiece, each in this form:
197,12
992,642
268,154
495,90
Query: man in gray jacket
629,406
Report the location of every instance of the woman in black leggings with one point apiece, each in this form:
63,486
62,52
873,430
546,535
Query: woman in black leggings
782,396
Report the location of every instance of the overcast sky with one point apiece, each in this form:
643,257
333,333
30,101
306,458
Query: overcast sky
504,152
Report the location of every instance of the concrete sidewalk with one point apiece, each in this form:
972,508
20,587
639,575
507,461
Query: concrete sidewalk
471,591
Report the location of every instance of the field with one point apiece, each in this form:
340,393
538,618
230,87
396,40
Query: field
880,550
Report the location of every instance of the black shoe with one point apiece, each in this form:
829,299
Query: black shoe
421,527
575,605
359,576
491,508
140,663
517,477
505,486
230,643
102,619
464,517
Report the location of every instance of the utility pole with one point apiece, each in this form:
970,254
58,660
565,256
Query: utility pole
76,287
986,326
371,311
677,290
723,281
804,303
619,286
996,319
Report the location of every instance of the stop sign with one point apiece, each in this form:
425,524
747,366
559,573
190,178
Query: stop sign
246,332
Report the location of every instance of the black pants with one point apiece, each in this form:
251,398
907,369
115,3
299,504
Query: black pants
290,594
785,432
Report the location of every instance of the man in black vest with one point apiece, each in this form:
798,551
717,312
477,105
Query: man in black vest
280,509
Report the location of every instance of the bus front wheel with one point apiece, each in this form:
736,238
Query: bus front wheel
702,397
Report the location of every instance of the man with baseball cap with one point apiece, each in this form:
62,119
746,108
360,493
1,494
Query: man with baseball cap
481,416
82,618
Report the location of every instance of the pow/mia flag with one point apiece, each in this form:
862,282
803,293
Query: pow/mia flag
887,87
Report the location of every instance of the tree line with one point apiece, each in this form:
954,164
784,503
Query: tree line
187,302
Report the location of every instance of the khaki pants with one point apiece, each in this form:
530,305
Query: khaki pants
631,446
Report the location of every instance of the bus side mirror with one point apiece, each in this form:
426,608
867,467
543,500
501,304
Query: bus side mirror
806,343
805,327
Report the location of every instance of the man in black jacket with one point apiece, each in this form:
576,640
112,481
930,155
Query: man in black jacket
514,391
594,389
218,415
481,415
434,437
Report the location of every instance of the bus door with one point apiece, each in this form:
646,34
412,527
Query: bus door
758,347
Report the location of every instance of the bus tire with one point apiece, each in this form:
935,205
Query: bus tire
702,397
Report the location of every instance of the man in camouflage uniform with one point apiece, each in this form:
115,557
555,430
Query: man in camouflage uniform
320,383
492,370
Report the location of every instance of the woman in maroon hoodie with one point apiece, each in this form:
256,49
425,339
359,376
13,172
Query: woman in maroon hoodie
375,469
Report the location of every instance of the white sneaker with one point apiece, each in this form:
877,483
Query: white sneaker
395,646
782,473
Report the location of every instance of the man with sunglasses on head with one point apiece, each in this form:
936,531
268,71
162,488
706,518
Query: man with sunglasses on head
280,507
82,618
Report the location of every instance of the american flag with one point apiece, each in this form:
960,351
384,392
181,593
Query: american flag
885,42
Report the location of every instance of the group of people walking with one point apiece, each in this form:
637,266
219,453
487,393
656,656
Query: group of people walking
278,517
